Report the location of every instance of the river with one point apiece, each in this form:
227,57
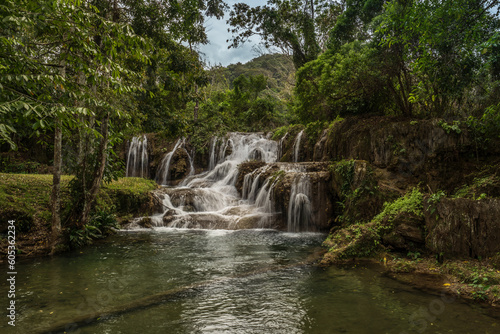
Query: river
219,281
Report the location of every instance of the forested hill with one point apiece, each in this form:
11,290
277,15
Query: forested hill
278,68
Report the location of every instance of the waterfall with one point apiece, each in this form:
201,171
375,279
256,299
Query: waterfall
210,200
296,146
212,161
137,158
251,184
162,174
280,146
299,207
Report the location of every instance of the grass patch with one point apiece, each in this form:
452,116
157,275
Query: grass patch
26,198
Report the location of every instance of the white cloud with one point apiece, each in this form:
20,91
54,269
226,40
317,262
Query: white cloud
216,51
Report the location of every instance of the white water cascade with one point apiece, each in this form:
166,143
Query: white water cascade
162,176
210,200
299,207
280,146
296,146
137,158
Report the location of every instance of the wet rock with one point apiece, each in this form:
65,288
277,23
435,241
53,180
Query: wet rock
406,233
355,241
463,227
179,166
145,222
245,168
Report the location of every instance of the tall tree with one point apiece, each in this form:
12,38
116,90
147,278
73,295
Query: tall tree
297,27
56,53
442,49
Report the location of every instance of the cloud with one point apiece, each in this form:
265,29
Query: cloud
216,51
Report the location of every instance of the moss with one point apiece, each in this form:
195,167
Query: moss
410,203
277,176
23,195
357,240
358,191
280,132
127,196
25,198
365,239
483,184
313,131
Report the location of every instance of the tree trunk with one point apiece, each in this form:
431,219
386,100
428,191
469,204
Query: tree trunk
99,172
56,189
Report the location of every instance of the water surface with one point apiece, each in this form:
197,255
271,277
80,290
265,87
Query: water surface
255,281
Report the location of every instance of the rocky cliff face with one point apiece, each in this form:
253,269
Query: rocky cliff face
463,227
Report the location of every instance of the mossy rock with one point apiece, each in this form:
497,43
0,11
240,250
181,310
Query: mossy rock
355,241
246,168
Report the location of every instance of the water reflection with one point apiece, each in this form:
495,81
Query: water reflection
252,286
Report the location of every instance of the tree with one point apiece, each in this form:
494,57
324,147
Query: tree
441,49
175,72
443,63
354,23
60,68
347,82
297,27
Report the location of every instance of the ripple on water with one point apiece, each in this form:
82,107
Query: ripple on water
251,286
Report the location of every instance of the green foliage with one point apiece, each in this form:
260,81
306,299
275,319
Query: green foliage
299,27
280,132
313,130
277,68
455,127
436,197
433,200
246,107
354,22
340,83
442,47
444,62
487,183
101,224
19,167
356,191
345,168
413,255
486,128
411,202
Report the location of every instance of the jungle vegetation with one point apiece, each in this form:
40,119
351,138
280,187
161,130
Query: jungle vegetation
80,76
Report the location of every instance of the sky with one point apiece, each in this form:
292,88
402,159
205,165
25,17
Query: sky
216,52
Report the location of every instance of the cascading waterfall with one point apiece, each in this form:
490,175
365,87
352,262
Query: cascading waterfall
213,158
210,200
137,157
296,146
162,174
280,146
299,207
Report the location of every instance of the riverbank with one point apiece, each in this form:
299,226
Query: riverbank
25,198
472,280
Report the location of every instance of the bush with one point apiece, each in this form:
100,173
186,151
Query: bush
101,224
